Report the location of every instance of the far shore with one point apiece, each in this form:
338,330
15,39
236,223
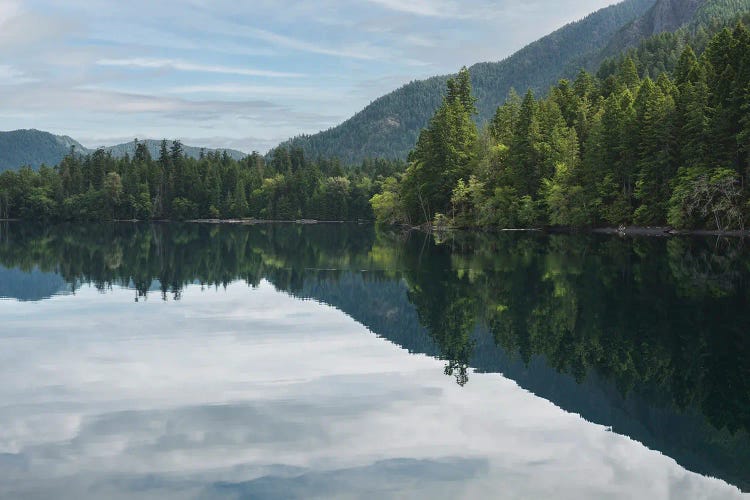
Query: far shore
668,231
664,232
264,221
661,232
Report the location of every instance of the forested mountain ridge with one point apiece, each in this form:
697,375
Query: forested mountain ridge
669,16
120,150
34,148
665,15
390,125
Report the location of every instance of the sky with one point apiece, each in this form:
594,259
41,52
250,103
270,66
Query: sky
234,74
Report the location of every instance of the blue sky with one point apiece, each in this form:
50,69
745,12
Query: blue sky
239,74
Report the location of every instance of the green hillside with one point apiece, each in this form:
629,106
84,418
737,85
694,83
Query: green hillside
153,146
33,148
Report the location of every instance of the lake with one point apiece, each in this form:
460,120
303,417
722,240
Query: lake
341,361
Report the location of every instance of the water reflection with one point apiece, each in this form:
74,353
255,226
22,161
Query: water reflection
647,335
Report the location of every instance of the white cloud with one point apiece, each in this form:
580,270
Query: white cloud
8,10
175,64
12,76
450,9
25,32
306,93
422,7
360,51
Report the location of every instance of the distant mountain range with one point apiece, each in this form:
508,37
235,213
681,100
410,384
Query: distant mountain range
34,147
389,126
154,146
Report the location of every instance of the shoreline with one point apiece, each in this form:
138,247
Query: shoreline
655,232
252,222
659,231
669,232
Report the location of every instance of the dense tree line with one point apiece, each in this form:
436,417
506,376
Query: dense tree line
100,186
616,148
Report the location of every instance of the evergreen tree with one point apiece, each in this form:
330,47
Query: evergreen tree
627,74
525,168
684,71
240,200
506,119
443,154
654,118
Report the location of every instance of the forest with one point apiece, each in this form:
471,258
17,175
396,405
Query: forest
100,186
610,149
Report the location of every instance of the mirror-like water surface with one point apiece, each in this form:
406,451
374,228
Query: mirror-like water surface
336,361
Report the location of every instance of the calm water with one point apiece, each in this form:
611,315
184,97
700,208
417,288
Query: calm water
283,361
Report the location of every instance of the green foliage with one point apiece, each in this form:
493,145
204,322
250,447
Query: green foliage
715,12
387,204
183,209
443,154
703,197
568,203
654,108
598,151
176,186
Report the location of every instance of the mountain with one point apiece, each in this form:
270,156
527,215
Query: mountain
153,146
671,15
35,147
390,125
665,15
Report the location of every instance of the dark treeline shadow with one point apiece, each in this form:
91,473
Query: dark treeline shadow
646,335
